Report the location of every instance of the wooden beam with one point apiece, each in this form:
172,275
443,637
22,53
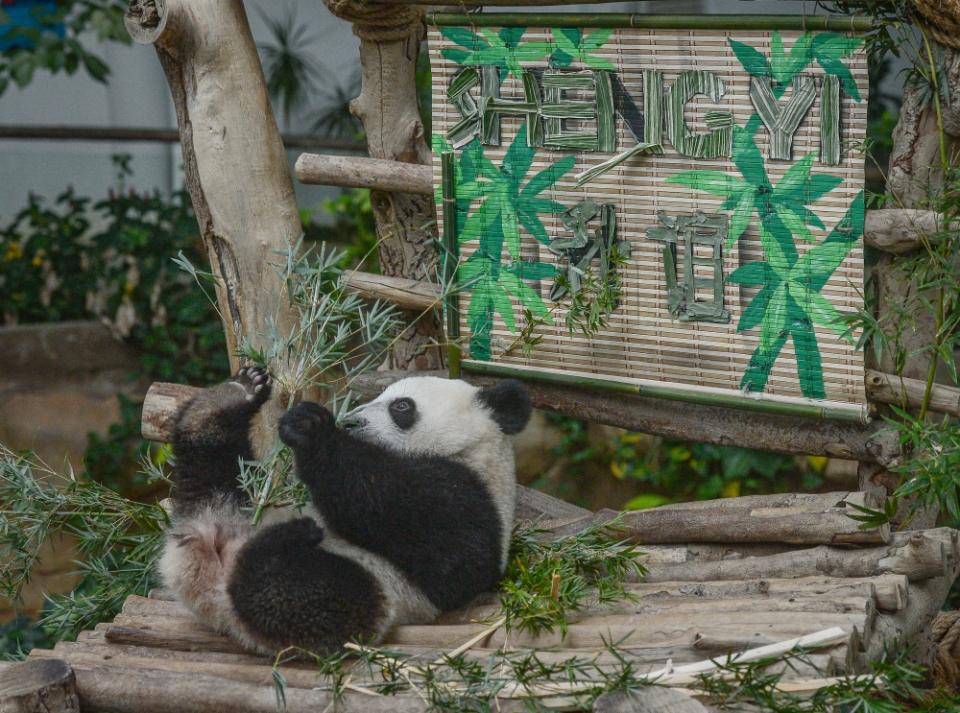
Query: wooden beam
707,424
62,132
356,172
406,294
904,392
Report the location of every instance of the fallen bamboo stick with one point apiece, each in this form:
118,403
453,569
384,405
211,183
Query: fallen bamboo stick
357,172
904,392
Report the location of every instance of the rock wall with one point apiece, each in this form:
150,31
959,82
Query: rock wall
59,382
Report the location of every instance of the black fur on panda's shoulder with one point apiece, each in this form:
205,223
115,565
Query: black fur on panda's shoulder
431,517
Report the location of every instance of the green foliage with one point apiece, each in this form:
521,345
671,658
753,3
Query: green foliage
507,201
548,579
19,636
826,48
353,231
488,48
110,261
573,45
46,47
117,539
291,71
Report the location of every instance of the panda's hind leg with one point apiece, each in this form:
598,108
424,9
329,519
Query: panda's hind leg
287,590
211,435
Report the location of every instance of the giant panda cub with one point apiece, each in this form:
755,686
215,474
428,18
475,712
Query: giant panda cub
412,507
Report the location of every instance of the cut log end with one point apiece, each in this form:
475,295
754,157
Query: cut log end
145,21
38,686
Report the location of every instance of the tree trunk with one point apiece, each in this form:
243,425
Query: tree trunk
234,163
916,178
406,222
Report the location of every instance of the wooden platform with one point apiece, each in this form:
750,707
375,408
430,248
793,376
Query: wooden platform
699,601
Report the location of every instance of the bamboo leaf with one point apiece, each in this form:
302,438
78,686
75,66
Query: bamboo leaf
503,305
761,362
752,60
753,314
464,37
839,70
774,322
714,182
748,158
529,270
793,222
753,273
547,177
741,217
527,295
809,366
778,59
801,54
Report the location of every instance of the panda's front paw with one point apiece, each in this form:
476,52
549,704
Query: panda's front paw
255,382
306,424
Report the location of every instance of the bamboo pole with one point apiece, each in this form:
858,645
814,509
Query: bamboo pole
355,172
814,23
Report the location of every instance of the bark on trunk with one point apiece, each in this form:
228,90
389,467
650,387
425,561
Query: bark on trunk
406,222
234,162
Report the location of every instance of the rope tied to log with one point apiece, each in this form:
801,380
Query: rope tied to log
378,22
941,18
945,633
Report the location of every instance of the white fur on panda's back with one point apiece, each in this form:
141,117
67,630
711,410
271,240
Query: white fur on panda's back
200,553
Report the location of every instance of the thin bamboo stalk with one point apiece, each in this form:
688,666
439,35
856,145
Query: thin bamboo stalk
451,257
661,22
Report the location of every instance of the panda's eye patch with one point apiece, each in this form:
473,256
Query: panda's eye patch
403,411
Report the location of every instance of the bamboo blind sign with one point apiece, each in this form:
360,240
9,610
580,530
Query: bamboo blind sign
659,205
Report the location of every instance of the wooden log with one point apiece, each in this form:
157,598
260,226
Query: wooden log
708,424
375,173
649,699
41,686
235,166
404,293
916,555
104,687
902,230
904,392
799,519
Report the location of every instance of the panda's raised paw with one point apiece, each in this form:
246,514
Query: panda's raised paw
306,425
255,381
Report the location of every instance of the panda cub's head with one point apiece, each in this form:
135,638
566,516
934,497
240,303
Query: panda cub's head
442,417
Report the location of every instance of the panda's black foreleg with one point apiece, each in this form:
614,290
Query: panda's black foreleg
287,590
339,469
211,435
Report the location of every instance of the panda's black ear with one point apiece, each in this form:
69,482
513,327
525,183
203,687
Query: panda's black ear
510,404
